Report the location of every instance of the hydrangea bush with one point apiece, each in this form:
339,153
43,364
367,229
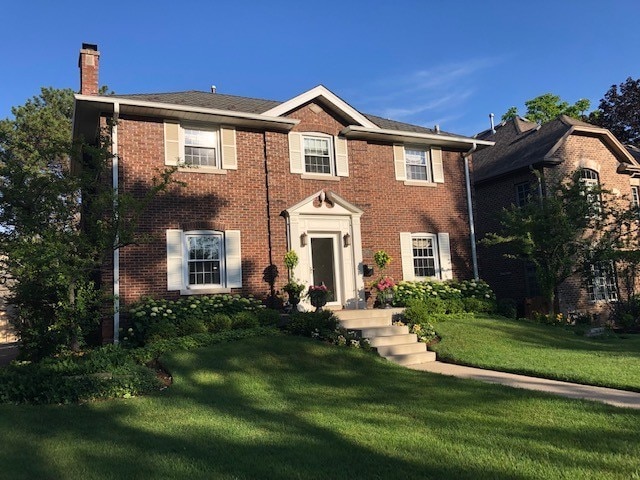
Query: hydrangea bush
153,319
475,295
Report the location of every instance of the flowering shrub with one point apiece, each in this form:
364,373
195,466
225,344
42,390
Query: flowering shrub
451,292
152,319
324,326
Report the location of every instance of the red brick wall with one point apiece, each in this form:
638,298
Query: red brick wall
507,276
238,200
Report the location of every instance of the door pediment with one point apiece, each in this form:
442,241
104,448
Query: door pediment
324,203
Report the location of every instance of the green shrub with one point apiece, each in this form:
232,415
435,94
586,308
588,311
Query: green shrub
507,307
268,317
106,372
419,311
405,291
308,323
475,289
244,320
150,318
218,322
477,305
454,306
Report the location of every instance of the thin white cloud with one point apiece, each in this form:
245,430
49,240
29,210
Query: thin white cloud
435,104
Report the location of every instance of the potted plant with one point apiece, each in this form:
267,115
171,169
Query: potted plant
293,288
318,295
383,286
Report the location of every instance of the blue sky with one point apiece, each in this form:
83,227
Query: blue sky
423,62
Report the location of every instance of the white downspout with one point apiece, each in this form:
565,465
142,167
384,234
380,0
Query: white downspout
116,251
472,230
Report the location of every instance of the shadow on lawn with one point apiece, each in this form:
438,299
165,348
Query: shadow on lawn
299,409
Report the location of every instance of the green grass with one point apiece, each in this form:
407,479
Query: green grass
541,350
286,408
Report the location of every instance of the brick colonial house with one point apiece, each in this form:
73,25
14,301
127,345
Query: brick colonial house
503,176
311,174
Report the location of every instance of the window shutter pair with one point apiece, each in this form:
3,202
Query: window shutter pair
173,153
175,259
400,166
444,256
296,154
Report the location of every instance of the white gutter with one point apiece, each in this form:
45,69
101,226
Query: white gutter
472,230
116,251
401,135
287,122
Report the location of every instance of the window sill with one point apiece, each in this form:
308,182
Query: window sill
310,176
420,183
210,170
204,291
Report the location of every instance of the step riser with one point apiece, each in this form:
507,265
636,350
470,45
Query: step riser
360,323
370,313
384,331
404,349
412,358
389,340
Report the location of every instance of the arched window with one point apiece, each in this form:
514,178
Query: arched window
589,177
591,181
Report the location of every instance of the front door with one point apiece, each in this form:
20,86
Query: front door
324,264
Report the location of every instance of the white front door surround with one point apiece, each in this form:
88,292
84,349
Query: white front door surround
324,230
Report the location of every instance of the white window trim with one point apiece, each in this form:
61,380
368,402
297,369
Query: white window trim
611,294
218,145
332,155
185,261
436,255
428,165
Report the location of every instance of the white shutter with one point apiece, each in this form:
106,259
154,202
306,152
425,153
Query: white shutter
436,165
174,260
406,250
228,148
296,155
342,160
446,272
233,257
399,162
171,143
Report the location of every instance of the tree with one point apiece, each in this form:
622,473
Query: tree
562,232
57,227
619,111
547,107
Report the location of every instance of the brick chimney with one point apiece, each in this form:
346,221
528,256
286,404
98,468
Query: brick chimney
89,63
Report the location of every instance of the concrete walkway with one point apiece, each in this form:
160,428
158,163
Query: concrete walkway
618,398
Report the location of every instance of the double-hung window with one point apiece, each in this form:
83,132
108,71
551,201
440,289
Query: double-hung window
200,147
523,193
204,254
602,283
318,154
635,196
424,256
418,164
591,180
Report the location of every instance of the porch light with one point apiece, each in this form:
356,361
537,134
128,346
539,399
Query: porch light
347,240
303,240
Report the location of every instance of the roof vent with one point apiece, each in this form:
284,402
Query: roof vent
213,89
437,128
493,128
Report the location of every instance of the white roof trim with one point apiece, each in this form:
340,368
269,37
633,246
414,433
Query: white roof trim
323,92
185,108
400,135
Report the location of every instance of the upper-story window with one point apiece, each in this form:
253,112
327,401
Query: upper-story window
318,154
418,165
635,196
210,148
200,147
591,180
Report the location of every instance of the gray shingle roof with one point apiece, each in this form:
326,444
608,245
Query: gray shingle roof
220,101
519,144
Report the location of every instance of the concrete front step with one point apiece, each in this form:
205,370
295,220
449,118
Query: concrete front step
388,340
393,342
412,358
401,349
370,332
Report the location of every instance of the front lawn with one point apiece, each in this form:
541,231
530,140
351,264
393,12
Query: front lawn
285,407
541,350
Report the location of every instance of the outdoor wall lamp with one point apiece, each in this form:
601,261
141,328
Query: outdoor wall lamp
347,240
303,240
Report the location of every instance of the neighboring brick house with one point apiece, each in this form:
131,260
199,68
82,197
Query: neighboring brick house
503,176
311,174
